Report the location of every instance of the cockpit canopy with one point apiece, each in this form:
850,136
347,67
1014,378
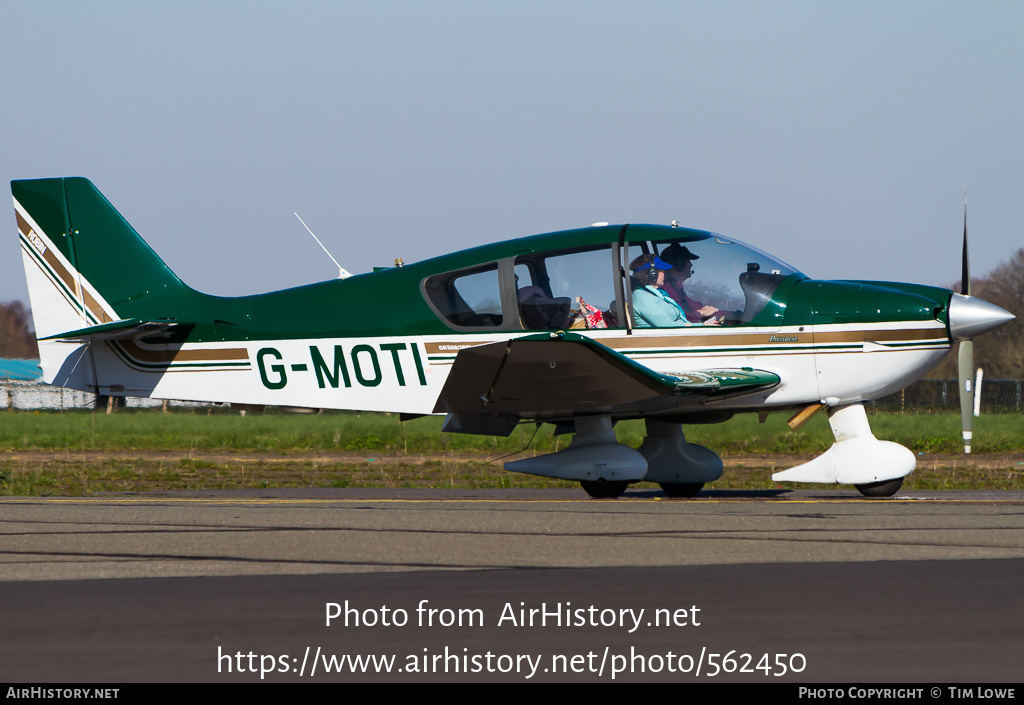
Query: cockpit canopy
591,285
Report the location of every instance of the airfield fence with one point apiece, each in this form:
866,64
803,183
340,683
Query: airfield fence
998,396
922,397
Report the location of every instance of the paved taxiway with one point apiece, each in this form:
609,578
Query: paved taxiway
924,586
339,531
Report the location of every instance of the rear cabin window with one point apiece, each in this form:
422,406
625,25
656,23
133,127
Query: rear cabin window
467,299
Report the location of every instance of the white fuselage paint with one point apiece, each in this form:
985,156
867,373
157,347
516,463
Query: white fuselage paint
406,374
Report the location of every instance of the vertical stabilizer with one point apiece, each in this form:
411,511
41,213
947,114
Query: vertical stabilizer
85,266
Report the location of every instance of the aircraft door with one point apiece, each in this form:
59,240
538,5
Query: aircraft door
566,289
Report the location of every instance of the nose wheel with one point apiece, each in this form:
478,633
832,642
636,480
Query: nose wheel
881,489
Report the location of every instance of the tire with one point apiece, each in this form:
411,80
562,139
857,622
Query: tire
681,489
602,489
886,488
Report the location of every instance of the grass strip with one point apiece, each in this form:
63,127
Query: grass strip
276,433
76,475
83,452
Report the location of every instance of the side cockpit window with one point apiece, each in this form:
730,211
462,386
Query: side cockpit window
566,289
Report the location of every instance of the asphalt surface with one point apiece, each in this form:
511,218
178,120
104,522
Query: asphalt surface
234,586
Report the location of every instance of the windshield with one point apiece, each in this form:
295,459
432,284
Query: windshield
721,277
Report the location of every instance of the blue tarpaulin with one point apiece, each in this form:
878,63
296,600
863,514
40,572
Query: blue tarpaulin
20,369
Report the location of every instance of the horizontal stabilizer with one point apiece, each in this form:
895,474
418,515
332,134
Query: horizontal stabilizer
566,374
118,330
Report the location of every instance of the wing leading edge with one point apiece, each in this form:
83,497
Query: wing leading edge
561,375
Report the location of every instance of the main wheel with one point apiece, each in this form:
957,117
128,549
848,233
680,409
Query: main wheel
681,489
603,489
886,488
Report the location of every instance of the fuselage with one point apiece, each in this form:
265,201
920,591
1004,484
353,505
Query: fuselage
385,341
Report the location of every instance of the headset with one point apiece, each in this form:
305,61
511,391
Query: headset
648,275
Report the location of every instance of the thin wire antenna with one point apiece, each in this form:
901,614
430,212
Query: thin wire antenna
515,452
342,272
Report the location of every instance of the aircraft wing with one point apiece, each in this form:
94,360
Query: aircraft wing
118,330
559,375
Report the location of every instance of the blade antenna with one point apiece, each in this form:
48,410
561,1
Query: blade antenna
342,272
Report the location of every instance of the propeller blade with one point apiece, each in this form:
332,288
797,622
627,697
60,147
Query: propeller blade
965,275
965,361
966,374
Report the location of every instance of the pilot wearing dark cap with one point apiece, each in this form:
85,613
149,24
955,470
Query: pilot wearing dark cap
680,258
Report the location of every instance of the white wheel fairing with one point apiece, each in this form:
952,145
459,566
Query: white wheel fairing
856,458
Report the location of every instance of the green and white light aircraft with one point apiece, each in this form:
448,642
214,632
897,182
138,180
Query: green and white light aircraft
555,328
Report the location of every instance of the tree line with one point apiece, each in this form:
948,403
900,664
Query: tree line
17,338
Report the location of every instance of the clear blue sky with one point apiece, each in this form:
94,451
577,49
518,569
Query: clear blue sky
836,135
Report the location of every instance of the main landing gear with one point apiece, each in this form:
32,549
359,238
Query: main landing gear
594,458
605,468
679,467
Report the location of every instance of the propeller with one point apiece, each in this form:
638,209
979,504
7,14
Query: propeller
970,317
965,362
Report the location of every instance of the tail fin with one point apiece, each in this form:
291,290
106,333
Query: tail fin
88,272
84,263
